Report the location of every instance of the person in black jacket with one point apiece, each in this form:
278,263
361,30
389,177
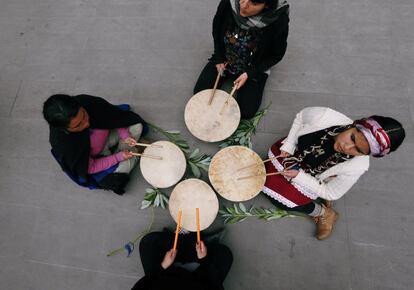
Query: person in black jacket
249,38
162,271
86,134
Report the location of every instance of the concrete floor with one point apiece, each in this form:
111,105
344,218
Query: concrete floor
355,56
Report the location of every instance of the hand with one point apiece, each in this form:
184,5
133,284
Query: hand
284,154
221,67
239,82
127,155
201,250
130,141
169,258
290,173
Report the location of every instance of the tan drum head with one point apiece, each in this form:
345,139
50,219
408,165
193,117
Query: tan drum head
187,196
166,172
205,122
225,170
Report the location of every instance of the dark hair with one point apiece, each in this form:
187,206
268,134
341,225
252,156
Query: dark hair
58,110
268,3
394,130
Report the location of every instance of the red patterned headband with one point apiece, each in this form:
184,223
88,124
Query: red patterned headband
378,140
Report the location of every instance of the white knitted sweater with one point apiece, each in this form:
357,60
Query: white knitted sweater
337,180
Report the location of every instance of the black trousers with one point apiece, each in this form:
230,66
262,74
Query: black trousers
305,209
249,96
214,269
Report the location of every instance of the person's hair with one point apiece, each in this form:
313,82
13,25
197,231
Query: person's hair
394,130
58,110
269,3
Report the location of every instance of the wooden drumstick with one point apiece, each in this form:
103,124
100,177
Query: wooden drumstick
228,98
146,155
214,88
145,145
268,174
251,165
177,230
198,224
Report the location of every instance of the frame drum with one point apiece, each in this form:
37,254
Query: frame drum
187,196
226,167
212,123
166,172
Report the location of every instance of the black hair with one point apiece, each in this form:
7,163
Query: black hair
58,110
268,3
394,130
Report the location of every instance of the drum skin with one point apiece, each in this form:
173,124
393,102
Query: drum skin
187,196
215,122
166,172
225,170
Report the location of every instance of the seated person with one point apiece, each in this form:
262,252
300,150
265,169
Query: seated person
157,258
250,36
89,138
323,156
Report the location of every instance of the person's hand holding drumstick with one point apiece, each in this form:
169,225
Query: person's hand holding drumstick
240,81
221,67
131,142
127,154
169,258
201,250
291,173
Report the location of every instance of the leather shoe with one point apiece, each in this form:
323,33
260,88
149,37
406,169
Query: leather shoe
325,223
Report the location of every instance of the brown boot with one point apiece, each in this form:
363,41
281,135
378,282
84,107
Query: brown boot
325,223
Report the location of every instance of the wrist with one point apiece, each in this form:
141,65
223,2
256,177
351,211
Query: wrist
119,156
164,266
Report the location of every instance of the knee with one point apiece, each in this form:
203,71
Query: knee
227,255
135,130
224,253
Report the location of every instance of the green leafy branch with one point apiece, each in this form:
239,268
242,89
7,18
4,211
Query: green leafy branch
173,136
154,198
239,212
196,161
246,129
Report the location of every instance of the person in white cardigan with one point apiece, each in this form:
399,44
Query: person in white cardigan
323,156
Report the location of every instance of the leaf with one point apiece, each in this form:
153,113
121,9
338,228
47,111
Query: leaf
242,207
194,153
235,208
242,140
194,170
145,204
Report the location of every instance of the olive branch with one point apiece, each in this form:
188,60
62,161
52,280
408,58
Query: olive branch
246,129
239,212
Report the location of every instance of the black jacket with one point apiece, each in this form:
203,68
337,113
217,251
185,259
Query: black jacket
270,49
73,149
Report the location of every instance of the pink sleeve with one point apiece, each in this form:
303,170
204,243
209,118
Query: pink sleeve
103,163
123,133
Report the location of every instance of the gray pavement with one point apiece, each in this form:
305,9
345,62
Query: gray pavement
355,56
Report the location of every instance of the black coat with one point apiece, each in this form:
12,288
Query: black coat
73,149
270,49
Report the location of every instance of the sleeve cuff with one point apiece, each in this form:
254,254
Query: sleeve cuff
288,147
119,156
